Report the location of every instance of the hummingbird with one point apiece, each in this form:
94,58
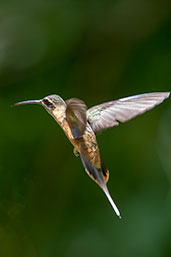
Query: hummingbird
81,126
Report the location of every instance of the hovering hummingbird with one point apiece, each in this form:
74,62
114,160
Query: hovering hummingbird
81,125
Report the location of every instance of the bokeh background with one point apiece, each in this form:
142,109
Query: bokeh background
97,51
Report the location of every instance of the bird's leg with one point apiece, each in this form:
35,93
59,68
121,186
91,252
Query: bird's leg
76,153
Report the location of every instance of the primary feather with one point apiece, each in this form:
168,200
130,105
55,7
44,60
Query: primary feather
109,114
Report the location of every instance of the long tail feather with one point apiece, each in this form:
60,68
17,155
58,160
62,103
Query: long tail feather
98,177
106,191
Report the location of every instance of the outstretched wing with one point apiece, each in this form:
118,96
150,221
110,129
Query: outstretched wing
111,113
76,116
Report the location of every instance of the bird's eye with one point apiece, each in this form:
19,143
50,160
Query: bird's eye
48,103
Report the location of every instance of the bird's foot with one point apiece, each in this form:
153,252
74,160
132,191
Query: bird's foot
76,153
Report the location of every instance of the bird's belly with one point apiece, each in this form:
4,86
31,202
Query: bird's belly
88,147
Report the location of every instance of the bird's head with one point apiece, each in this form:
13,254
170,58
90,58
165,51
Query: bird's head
52,103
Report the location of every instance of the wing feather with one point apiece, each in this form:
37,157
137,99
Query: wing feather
76,116
111,113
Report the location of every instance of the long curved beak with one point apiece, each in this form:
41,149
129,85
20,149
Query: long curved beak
29,102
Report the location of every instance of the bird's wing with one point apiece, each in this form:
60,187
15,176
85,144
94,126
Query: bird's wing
76,116
111,113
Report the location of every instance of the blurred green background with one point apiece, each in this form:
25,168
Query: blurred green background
97,51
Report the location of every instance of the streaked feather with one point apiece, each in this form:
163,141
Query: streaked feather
76,116
111,113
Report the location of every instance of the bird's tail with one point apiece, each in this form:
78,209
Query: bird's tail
98,175
106,191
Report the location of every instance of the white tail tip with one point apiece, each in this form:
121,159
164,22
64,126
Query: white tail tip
112,202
